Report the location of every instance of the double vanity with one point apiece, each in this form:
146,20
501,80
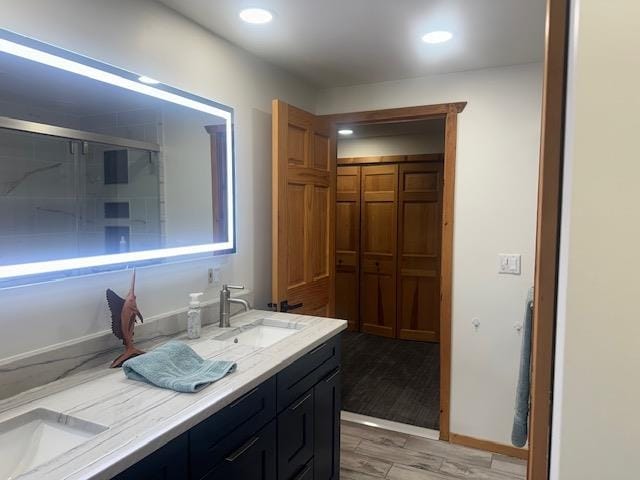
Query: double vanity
124,171
276,417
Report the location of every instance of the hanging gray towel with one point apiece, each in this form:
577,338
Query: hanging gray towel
521,416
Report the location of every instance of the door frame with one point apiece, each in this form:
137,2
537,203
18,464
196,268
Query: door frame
449,113
548,237
547,232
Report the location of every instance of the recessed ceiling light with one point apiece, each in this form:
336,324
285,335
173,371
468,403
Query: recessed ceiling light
439,36
345,131
148,80
257,16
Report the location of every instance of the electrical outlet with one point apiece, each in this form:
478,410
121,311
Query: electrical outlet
214,276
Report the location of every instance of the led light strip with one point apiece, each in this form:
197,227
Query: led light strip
106,77
34,268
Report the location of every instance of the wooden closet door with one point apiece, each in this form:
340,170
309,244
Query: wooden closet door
348,245
419,251
379,197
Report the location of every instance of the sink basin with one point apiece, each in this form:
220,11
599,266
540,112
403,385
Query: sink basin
35,437
261,333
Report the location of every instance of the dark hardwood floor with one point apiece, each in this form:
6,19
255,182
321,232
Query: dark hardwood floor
397,380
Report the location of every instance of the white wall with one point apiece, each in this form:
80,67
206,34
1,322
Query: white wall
412,144
495,212
596,417
145,37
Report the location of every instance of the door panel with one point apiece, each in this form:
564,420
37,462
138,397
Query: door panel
320,232
348,245
327,407
295,437
304,205
379,198
419,250
295,233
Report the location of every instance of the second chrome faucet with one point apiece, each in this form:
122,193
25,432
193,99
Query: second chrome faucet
226,301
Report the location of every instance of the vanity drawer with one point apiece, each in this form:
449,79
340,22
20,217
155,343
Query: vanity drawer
212,439
170,462
305,372
252,459
295,437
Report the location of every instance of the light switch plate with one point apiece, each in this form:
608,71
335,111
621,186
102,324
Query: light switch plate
509,263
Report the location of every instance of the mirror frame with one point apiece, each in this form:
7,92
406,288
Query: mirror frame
36,272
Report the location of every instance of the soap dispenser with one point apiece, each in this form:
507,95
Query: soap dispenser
194,316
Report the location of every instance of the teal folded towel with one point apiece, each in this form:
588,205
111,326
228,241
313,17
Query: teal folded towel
176,366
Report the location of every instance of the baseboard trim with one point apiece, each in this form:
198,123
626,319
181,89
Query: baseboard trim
489,446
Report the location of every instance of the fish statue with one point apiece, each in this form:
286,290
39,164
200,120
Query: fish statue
124,315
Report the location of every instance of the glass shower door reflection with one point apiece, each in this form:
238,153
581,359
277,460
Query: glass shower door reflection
119,196
65,198
38,191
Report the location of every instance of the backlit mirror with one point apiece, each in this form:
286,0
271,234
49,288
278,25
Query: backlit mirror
101,168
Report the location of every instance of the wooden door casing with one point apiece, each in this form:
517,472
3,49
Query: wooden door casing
378,247
348,246
419,250
304,204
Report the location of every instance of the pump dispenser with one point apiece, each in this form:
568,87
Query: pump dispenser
194,316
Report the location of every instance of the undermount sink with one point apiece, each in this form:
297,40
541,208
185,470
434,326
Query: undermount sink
261,333
35,437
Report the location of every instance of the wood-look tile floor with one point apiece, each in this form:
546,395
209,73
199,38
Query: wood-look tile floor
369,453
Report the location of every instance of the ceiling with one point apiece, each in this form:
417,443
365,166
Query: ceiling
347,42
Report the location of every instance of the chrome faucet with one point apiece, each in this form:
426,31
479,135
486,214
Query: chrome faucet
226,301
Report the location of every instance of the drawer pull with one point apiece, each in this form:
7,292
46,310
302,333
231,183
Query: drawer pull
332,375
297,405
244,397
302,474
317,349
234,456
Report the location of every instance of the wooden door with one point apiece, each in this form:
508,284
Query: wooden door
348,245
379,198
304,202
419,250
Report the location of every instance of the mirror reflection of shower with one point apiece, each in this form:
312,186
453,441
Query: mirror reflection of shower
71,196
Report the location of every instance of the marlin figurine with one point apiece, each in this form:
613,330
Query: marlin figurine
124,314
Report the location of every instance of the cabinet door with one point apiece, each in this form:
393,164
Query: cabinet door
379,194
348,245
419,251
327,406
170,462
255,459
212,439
295,437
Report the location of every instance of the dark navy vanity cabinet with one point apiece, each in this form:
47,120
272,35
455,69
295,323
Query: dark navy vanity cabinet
287,428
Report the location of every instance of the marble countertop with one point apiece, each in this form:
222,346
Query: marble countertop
142,418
